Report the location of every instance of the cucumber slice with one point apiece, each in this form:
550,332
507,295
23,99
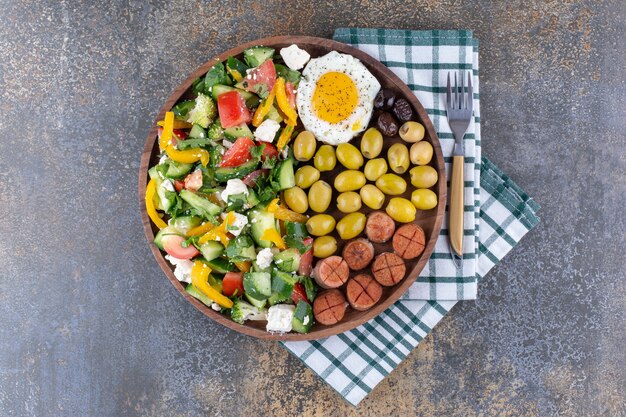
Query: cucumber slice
177,170
261,220
211,250
223,174
257,285
221,89
296,229
282,285
196,293
201,204
288,260
274,115
257,303
220,265
241,131
241,249
286,176
257,55
303,313
197,132
169,230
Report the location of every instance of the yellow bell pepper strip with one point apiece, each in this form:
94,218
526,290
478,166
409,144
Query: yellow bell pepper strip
168,130
284,137
283,213
188,156
283,101
202,229
243,266
273,236
273,206
264,108
178,124
199,278
152,213
219,233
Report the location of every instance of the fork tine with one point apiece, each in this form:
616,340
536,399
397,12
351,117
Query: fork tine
470,93
463,102
456,93
449,94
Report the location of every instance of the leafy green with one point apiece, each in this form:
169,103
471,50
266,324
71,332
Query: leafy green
288,74
293,241
309,287
216,75
182,109
198,85
195,143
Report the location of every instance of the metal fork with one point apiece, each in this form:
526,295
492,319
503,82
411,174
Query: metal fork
459,110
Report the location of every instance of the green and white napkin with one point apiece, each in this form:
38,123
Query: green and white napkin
497,215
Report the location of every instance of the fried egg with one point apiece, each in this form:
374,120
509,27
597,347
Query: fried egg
336,97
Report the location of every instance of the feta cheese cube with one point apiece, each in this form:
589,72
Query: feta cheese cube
182,270
237,226
294,57
234,187
264,258
279,318
267,131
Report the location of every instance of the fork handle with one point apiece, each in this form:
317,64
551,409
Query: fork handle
457,201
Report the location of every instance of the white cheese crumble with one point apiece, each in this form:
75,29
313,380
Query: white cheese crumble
279,318
227,143
285,152
267,131
163,159
216,307
234,187
294,57
182,272
167,184
237,226
264,258
306,320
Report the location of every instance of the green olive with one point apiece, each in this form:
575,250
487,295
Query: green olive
411,132
423,176
325,159
351,225
349,180
324,246
374,168
320,195
320,224
372,197
371,143
401,210
304,146
306,176
391,184
398,156
349,156
424,199
421,153
349,202
296,199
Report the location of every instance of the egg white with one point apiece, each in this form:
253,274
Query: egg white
367,87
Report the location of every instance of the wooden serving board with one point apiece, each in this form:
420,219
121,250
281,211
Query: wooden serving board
430,220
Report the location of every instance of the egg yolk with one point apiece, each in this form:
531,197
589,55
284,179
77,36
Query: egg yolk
335,97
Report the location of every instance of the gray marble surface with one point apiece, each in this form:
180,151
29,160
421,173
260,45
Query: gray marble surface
89,324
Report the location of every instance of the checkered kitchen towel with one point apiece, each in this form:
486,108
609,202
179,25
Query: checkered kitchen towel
497,215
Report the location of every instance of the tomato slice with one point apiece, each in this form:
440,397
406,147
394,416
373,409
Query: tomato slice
232,284
291,94
238,154
193,181
179,185
232,109
298,293
173,245
306,259
260,80
269,151
251,179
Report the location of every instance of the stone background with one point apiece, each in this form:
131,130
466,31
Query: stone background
90,326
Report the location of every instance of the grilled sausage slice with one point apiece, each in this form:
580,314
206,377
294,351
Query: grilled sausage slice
388,269
329,307
409,241
358,253
331,272
379,227
363,292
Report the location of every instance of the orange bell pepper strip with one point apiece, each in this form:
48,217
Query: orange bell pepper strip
264,108
273,236
188,156
178,124
283,213
219,233
200,279
152,213
202,229
168,130
243,266
283,102
284,137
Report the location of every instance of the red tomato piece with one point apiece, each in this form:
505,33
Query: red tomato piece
177,135
306,259
291,94
232,109
299,293
238,154
269,151
260,80
193,181
232,284
179,185
173,245
251,179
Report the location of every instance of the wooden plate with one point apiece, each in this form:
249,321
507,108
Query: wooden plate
429,220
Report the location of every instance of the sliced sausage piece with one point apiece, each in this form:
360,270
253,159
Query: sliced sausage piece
409,241
331,272
388,269
363,292
358,253
379,227
329,307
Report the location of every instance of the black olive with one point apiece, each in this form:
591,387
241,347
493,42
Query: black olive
387,124
384,99
403,111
